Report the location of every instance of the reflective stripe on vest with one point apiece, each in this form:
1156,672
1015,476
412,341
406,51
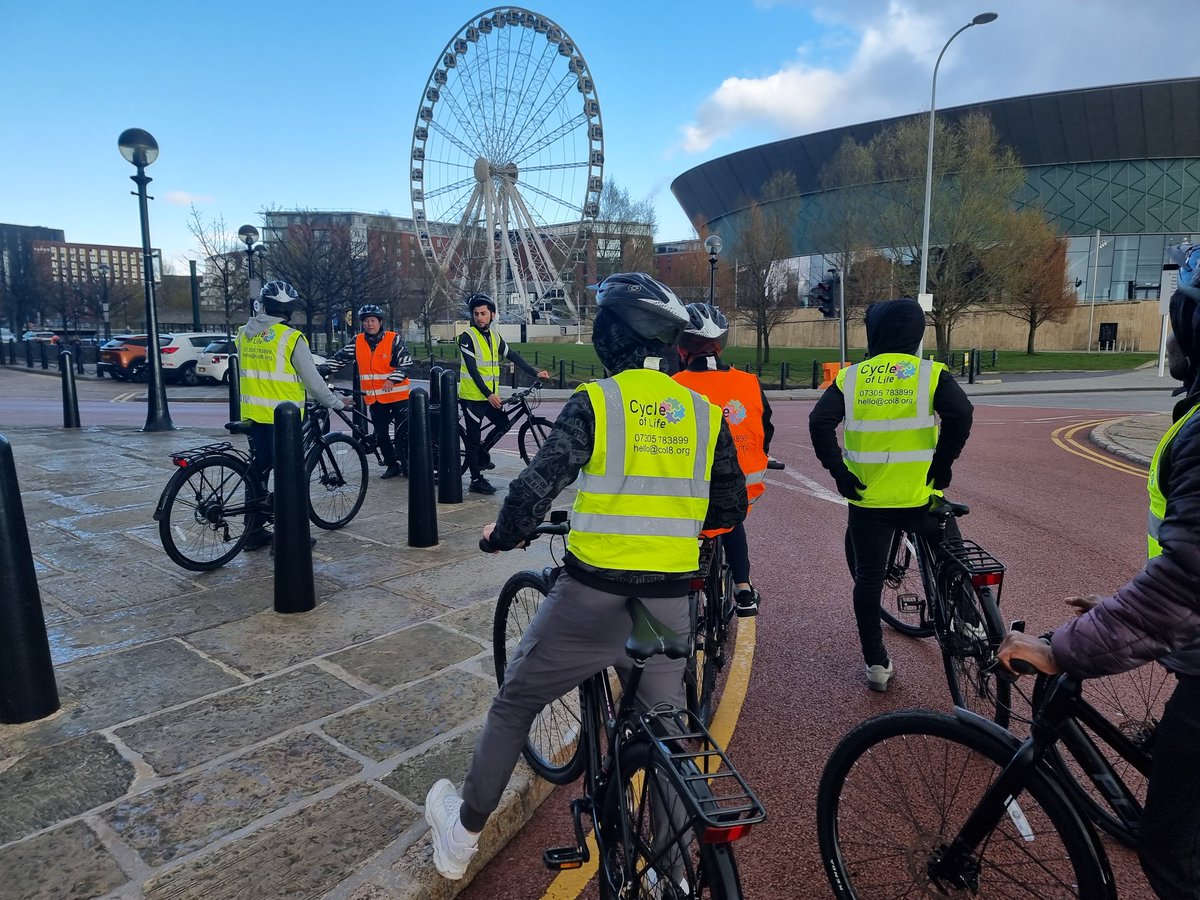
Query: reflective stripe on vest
487,361
267,375
643,494
739,395
890,429
1158,499
374,367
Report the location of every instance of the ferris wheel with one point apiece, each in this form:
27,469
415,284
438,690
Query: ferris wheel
507,160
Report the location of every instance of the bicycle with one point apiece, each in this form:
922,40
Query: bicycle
950,588
519,407
211,503
712,604
665,803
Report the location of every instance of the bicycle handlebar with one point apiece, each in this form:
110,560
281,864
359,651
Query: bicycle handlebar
524,392
551,528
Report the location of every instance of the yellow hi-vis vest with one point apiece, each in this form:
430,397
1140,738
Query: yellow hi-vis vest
267,375
487,360
643,495
1158,500
890,428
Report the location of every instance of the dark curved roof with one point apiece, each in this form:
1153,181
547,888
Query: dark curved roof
1150,120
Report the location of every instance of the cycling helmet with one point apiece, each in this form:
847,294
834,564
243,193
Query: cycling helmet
277,298
370,309
707,330
647,307
480,300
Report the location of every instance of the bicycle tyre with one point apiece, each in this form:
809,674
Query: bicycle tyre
713,617
969,657
710,869
553,748
700,674
532,436
193,527
902,579
337,481
897,789
1133,701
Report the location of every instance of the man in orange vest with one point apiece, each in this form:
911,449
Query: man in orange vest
383,363
748,414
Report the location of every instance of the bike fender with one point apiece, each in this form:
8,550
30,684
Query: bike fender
980,723
162,498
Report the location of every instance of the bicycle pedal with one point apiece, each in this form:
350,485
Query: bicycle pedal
557,859
908,603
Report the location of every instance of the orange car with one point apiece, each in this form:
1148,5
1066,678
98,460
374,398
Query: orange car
124,357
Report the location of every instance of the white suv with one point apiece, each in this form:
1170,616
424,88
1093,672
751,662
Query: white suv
182,351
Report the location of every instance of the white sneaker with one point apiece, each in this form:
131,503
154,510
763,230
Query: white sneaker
451,853
879,676
665,891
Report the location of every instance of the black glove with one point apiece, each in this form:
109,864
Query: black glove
849,486
939,475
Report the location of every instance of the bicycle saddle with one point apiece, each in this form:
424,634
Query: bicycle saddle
242,426
651,637
947,508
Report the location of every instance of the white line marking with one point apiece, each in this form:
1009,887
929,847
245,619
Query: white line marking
810,487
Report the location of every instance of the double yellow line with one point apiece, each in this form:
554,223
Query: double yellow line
1064,437
570,883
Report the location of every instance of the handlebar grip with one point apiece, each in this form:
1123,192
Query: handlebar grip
1023,667
486,546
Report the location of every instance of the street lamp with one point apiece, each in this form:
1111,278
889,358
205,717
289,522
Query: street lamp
104,269
249,236
139,148
1100,245
712,244
923,289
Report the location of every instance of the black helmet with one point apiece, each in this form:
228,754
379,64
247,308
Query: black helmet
277,298
370,309
707,330
480,300
647,307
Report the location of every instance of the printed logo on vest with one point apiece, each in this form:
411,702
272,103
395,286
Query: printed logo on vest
735,412
903,370
672,410
658,414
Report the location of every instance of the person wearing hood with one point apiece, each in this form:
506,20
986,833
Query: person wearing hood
655,464
1155,617
276,367
896,457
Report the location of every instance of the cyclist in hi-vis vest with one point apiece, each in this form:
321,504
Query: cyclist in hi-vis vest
748,414
482,350
655,463
895,458
1155,617
383,363
276,366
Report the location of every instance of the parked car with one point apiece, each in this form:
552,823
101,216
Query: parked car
124,357
214,361
40,337
7,337
181,352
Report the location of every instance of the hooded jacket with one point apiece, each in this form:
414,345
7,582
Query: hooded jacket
895,326
302,362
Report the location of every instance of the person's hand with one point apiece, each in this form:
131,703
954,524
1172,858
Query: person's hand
495,401
487,534
1082,605
849,486
1035,651
543,375
939,476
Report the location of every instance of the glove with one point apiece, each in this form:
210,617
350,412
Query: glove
849,486
939,475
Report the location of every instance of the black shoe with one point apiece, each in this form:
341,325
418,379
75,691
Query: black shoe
258,539
746,603
393,471
773,463
487,462
482,486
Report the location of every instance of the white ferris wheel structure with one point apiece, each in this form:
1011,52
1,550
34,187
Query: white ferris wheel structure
508,160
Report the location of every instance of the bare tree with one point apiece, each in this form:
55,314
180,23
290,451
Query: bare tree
1033,263
301,256
225,268
624,232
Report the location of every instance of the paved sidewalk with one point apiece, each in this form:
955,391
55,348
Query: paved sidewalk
1134,438
210,748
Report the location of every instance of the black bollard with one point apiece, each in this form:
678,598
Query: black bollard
294,588
42,351
79,359
783,375
449,477
12,353
70,398
29,354
969,361
435,385
976,361
562,373
27,688
235,389
422,508
512,376
816,376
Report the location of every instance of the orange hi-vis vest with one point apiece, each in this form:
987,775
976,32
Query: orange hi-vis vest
374,367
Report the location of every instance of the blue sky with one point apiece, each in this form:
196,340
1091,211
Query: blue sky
312,104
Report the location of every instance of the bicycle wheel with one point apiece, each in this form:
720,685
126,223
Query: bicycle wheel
902,605
1133,702
896,792
552,749
206,512
665,847
337,481
714,615
532,436
974,630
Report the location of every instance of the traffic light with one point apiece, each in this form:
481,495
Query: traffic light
821,296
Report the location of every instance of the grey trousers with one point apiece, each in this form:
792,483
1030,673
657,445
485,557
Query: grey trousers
577,632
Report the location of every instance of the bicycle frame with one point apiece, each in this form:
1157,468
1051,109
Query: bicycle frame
520,409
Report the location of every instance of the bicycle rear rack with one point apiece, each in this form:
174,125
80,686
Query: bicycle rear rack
981,567
185,458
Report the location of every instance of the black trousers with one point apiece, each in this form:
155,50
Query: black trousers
1169,843
474,412
385,422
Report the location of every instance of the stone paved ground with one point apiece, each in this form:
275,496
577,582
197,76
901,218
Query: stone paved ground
1134,438
208,747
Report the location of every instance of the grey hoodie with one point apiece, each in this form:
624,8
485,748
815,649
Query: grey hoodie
302,362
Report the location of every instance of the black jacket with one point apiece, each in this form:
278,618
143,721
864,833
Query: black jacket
466,347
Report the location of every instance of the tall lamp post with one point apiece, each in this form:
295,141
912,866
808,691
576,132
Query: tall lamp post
1100,245
139,148
104,269
925,296
712,244
249,237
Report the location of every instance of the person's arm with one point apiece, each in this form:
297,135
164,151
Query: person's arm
727,486
822,430
467,348
314,384
334,364
768,428
954,409
402,360
557,464
507,352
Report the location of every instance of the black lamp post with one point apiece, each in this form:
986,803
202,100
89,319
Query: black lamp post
249,237
104,269
712,244
139,148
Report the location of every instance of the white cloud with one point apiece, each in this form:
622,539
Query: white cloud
183,198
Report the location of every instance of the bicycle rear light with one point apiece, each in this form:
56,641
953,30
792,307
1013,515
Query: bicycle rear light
987,579
725,834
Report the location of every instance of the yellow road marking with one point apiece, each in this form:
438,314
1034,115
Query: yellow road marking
570,883
1064,438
